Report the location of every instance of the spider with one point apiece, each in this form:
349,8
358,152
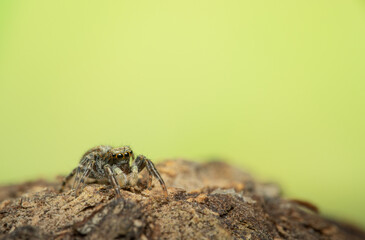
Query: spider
104,162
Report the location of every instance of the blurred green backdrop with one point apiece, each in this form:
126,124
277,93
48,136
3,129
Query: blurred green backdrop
273,86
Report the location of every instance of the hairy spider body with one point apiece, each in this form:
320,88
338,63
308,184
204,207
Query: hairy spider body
104,162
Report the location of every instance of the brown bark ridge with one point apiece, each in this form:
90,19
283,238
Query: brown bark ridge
206,201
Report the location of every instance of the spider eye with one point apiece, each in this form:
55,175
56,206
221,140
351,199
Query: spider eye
120,155
114,155
127,154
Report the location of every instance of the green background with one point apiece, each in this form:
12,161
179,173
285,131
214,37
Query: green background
276,87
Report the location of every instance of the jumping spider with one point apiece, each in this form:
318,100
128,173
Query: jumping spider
113,164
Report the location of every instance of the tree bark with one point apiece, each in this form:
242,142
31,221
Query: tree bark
206,201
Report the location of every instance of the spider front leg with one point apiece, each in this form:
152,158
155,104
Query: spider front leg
140,163
121,178
112,179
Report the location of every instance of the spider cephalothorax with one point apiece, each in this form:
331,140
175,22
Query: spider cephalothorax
113,164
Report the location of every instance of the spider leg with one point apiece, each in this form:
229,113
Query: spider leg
120,177
82,164
66,179
142,162
81,182
112,179
152,169
149,182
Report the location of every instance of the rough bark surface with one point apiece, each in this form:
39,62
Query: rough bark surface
206,201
